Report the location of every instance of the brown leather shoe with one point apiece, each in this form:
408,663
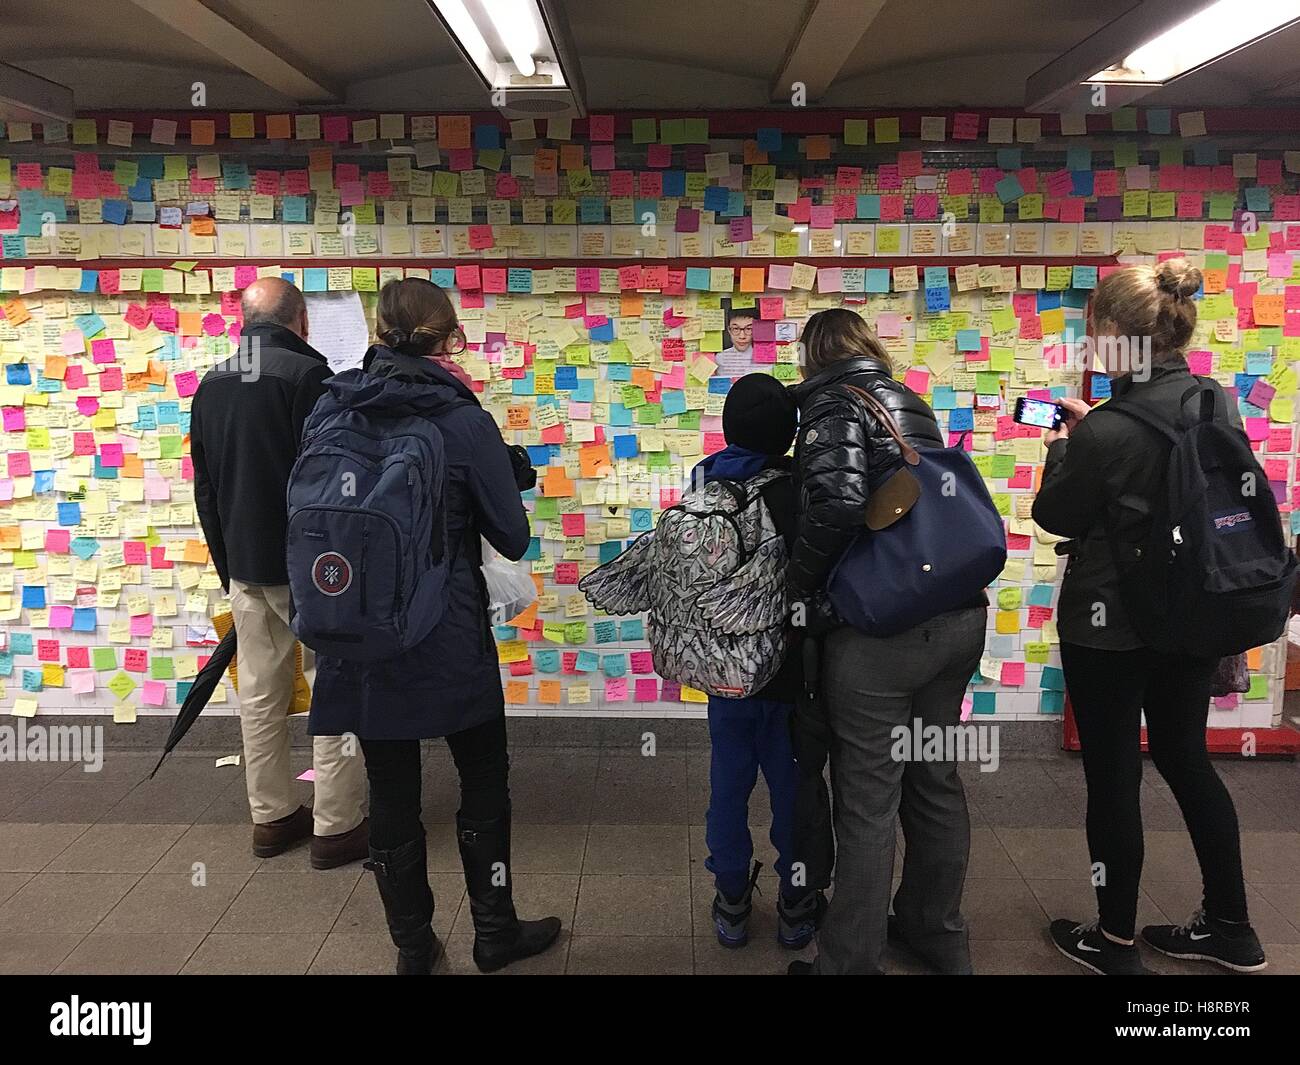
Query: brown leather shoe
329,852
276,837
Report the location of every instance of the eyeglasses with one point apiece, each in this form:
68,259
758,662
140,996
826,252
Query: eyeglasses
743,329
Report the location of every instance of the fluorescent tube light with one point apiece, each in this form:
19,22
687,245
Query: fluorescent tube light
1211,34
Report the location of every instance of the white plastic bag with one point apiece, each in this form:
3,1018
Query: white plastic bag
510,587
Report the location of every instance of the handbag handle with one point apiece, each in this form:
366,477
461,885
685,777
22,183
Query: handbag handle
886,419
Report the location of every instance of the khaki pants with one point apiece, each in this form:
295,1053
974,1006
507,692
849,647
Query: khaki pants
265,659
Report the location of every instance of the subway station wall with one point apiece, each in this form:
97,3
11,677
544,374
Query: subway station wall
594,266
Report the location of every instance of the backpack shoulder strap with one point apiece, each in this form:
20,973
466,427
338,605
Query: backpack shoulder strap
1146,417
882,415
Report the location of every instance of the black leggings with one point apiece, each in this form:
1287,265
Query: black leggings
1109,690
393,767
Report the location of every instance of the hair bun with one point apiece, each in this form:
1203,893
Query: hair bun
394,338
1178,277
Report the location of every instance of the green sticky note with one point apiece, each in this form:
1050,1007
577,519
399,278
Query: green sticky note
1004,466
1124,120
151,280
856,130
121,685
103,658
1009,598
169,445
633,397
987,383
161,669
546,508
650,414
1258,687
690,419
575,632
644,131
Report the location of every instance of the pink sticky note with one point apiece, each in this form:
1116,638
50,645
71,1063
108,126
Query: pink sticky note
154,693
187,382
60,617
81,681
1013,673
307,774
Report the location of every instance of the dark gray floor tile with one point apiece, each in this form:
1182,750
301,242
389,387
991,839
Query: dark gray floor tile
105,953
288,902
637,849
118,848
35,953
29,848
64,902
633,905
631,956
175,902
255,953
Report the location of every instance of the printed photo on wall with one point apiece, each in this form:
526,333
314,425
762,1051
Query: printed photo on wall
737,356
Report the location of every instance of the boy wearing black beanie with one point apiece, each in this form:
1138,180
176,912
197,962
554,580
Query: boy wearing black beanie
759,420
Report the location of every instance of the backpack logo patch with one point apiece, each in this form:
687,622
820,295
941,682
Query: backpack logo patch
331,573
1231,522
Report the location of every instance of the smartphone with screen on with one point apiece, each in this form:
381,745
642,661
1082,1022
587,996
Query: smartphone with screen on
1038,412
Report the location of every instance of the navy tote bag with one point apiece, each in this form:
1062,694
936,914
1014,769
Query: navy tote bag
914,562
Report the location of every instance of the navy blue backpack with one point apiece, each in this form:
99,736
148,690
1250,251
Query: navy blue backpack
366,551
936,545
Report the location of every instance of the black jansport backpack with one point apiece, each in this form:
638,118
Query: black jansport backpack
1215,576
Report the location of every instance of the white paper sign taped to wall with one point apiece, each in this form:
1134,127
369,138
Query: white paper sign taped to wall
337,328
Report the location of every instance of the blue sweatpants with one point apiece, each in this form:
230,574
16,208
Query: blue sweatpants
748,735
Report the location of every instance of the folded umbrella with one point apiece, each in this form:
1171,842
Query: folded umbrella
205,683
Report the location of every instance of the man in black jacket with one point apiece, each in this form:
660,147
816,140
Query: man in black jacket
245,426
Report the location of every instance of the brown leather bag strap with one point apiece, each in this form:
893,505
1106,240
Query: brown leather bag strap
886,419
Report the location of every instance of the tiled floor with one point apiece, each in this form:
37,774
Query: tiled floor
112,873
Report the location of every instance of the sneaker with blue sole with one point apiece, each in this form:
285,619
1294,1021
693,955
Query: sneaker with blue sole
731,916
1202,938
797,919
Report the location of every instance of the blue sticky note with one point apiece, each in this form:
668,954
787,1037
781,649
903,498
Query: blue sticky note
626,446
33,596
1048,301
614,665
505,632
1084,277
443,276
84,547
962,419
769,138
1009,189
641,520
115,212
524,386
606,632
674,184
1040,595
984,702
604,333
519,279
715,198
1052,702
1078,158
868,206
1100,386
719,386
968,340
697,278
1009,159
1259,363
632,629
584,391
315,279
877,280
937,300
33,680
546,661
591,210
611,549
1205,153
84,619
936,277
588,662
18,373
942,397
487,136
1053,679
70,514
1081,182
89,281
1258,198
534,551
1158,120
566,377
294,209
673,403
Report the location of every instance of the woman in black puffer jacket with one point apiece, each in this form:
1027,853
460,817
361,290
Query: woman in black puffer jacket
869,687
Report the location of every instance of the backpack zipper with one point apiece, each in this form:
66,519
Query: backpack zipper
365,538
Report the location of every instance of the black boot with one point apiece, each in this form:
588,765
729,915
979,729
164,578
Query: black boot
499,936
403,880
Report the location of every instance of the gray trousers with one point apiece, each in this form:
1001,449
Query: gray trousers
872,686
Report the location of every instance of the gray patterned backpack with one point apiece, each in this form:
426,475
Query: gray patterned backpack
712,577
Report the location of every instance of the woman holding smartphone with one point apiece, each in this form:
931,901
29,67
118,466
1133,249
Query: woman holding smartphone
1105,471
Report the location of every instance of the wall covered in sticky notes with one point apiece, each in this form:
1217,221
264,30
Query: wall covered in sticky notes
590,273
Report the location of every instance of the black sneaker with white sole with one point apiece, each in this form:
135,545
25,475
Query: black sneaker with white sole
1202,938
1086,945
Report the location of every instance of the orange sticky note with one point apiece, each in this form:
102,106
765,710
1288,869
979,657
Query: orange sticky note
591,460
201,226
752,279
190,322
631,305
1269,309
556,483
545,161
818,147
453,131
56,367
516,691
279,128
1255,658
643,378
196,551
572,157
548,691
319,159
16,312
203,131
754,155
132,466
526,618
